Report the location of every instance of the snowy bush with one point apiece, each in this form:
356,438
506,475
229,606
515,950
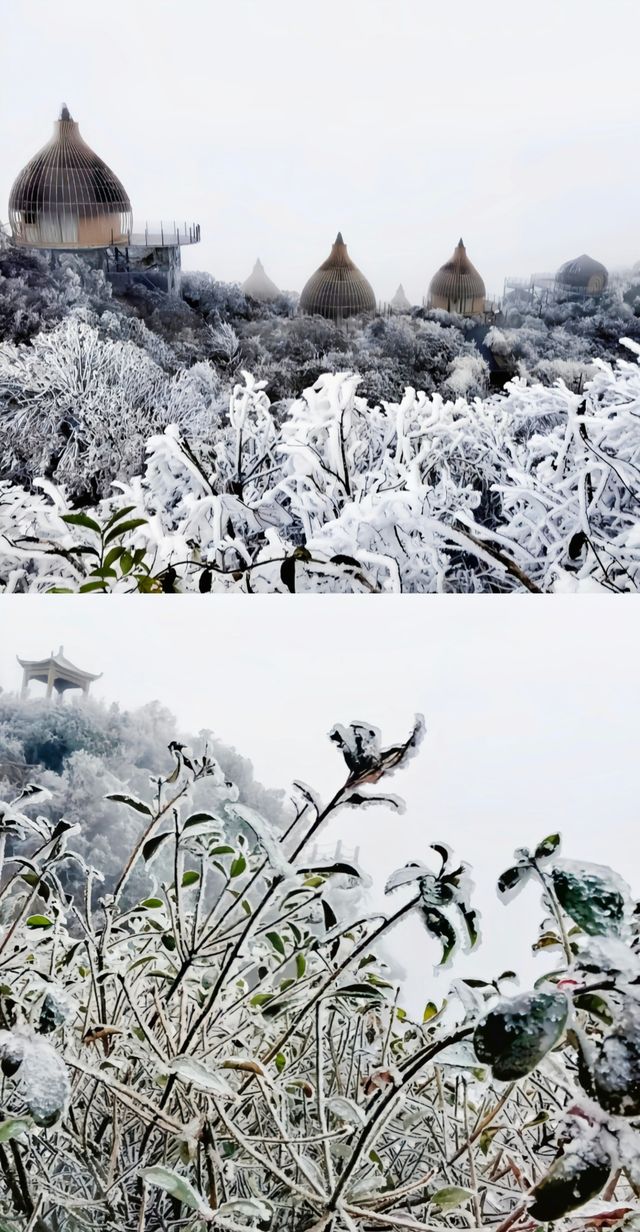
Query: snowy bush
226,1051
80,752
80,408
536,488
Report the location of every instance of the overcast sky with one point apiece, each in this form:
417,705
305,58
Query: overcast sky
405,123
531,708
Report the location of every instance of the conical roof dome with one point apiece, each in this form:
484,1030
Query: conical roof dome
457,286
66,197
259,285
400,302
337,289
583,274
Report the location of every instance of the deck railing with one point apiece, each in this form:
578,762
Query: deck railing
166,234
163,235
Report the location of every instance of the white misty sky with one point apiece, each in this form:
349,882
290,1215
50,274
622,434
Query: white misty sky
405,123
531,708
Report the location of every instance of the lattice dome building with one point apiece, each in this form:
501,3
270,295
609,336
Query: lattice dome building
457,286
66,199
259,285
583,276
338,289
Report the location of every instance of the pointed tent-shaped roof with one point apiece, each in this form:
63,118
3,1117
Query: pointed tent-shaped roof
67,197
584,274
457,282
337,289
400,303
259,285
61,664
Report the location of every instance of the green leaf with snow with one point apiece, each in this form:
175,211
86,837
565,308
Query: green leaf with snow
138,806
518,1032
188,1069
250,1208
179,1187
450,1197
592,895
13,1127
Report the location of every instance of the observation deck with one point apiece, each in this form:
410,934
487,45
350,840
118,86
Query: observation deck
163,234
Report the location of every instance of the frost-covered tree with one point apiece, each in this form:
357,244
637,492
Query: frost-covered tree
226,1051
535,488
79,408
81,751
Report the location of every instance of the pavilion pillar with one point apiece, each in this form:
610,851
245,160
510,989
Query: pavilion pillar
50,679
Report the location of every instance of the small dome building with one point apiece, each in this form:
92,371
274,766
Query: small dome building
338,289
259,285
67,197
583,276
400,303
458,287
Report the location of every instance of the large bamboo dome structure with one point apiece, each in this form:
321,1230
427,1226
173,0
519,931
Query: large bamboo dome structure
66,197
457,286
259,285
583,275
337,289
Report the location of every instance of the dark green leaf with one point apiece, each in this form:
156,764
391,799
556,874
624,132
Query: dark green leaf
616,1072
138,805
277,942
118,516
112,556
123,528
190,877
440,927
595,904
196,819
517,1033
470,919
547,846
571,1181
152,844
82,519
358,992
513,879
593,1004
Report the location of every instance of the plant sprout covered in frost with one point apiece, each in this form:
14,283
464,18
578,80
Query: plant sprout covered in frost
537,489
229,1052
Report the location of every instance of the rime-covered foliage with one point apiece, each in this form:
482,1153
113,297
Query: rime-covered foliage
535,488
81,751
224,1049
256,449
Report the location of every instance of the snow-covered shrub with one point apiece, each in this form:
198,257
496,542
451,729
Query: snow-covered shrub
79,408
80,752
225,1050
536,488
